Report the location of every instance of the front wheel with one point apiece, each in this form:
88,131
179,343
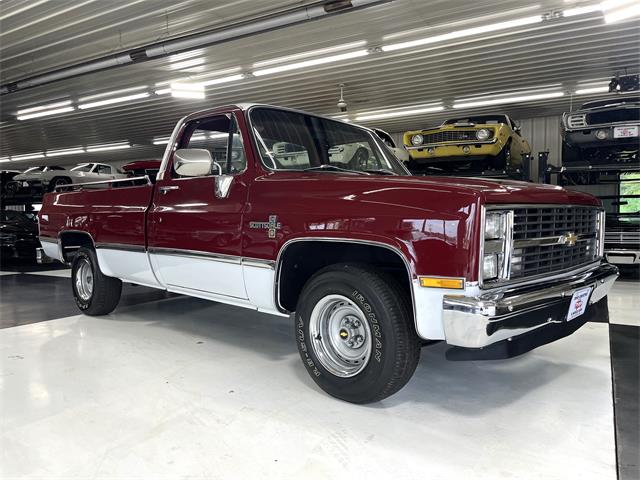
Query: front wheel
94,292
355,333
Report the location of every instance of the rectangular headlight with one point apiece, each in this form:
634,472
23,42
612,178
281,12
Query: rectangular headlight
494,225
490,266
497,244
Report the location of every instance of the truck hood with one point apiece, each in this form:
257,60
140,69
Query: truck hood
512,191
489,191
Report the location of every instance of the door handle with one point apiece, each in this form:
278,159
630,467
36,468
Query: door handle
165,190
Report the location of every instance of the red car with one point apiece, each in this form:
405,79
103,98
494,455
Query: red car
291,213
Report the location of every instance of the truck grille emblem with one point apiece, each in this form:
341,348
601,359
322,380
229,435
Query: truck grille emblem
272,225
569,239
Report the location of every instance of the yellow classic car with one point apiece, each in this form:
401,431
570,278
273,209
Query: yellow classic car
483,142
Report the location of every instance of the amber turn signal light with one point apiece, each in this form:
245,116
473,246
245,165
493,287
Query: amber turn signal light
439,282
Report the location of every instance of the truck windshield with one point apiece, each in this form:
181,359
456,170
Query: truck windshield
294,141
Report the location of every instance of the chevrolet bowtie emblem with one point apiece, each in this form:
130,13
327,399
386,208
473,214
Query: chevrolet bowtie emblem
569,239
272,225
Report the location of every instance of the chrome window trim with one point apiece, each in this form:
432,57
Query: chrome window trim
179,129
106,182
494,285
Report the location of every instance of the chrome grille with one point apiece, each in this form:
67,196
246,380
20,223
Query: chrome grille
576,121
452,136
621,237
552,239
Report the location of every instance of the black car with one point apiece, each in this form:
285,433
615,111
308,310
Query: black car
602,132
18,236
7,186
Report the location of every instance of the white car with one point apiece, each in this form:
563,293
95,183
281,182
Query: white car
48,177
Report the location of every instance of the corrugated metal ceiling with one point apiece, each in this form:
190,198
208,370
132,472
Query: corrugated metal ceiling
555,54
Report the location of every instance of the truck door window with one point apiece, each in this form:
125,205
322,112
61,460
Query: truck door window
221,137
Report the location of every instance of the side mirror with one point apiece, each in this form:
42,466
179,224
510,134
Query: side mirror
192,162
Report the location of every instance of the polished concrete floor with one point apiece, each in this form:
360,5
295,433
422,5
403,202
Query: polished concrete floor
173,387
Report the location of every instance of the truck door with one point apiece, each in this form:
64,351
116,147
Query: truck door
194,226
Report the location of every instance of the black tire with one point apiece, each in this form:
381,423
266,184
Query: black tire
395,347
11,188
105,291
58,181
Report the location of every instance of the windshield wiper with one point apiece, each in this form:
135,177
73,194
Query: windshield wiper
331,168
381,171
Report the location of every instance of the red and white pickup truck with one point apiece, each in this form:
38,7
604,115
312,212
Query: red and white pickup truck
290,213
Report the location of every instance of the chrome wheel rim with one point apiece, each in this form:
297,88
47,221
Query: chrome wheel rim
84,280
340,336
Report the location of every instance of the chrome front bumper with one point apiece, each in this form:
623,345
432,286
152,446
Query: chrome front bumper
622,256
476,322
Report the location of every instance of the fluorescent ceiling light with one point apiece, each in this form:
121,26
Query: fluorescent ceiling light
64,151
215,81
311,63
27,156
194,62
342,118
43,107
187,90
111,93
464,33
162,91
108,146
503,100
572,12
218,135
483,19
5,159
612,16
176,57
612,4
415,110
161,140
310,53
587,91
110,101
45,113
187,94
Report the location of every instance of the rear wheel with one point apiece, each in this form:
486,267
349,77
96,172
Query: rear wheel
94,292
355,333
58,182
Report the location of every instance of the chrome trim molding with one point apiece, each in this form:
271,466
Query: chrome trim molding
217,257
176,252
121,246
105,182
410,272
549,241
258,263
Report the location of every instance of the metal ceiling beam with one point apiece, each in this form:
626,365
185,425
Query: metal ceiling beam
181,44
